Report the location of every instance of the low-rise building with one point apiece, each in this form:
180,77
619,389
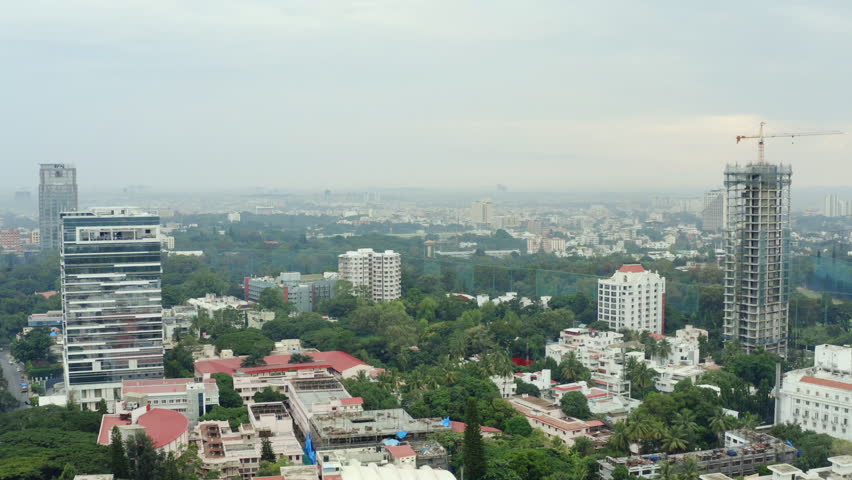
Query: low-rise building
338,429
549,418
212,303
840,469
168,429
340,363
50,319
743,453
819,398
232,453
184,395
540,380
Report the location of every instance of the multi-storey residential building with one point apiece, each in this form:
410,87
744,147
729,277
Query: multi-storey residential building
303,291
713,214
633,298
840,469
757,256
231,453
111,301
57,193
482,212
10,240
377,275
819,398
549,418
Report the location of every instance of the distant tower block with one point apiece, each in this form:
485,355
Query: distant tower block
430,248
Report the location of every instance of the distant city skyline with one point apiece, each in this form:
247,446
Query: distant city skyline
564,96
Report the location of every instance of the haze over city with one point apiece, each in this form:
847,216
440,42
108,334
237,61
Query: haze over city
461,95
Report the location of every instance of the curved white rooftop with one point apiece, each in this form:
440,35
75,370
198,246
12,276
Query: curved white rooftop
356,471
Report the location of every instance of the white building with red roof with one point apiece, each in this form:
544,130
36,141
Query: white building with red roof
550,419
339,363
633,298
819,398
184,395
169,430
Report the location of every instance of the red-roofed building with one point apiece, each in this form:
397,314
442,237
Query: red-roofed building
458,427
169,430
819,398
352,401
631,268
340,363
402,454
183,395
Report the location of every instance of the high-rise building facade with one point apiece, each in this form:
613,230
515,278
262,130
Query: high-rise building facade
57,193
633,298
713,214
757,256
111,301
835,207
377,275
482,212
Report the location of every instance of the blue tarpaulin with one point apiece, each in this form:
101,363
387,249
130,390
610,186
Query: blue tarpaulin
391,441
401,434
446,422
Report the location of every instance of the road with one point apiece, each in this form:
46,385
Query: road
13,377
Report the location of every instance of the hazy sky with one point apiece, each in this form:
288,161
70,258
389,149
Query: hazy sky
313,94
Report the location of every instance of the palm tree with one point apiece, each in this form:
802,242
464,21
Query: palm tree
664,349
666,472
688,469
686,420
749,421
675,440
620,439
571,368
720,423
651,347
640,376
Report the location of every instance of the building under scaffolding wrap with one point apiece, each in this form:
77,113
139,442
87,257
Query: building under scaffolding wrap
757,256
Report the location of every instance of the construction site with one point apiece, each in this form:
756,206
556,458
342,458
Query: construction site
370,428
744,452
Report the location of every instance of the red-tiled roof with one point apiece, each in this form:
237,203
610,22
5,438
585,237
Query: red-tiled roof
280,367
339,361
522,362
632,268
458,427
352,401
400,451
569,387
595,423
163,426
657,336
48,293
107,422
827,383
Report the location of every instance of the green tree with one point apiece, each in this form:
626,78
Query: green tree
253,360
246,342
34,346
575,404
473,450
676,439
228,397
144,462
68,473
269,395
271,299
272,469
266,453
518,425
118,458
102,407
572,370
300,358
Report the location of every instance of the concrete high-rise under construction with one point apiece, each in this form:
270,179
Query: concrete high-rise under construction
757,256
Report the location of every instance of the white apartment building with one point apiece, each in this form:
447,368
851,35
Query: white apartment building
185,395
212,303
377,274
482,212
633,298
236,454
819,398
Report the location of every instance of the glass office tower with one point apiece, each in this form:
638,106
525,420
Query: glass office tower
57,193
111,301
